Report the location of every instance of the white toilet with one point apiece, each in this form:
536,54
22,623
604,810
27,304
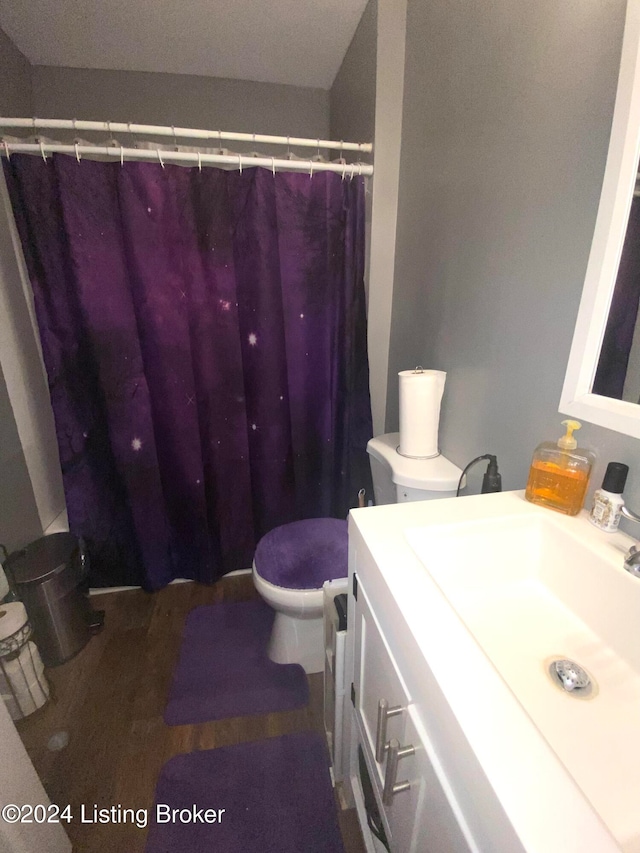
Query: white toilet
291,564
293,561
297,633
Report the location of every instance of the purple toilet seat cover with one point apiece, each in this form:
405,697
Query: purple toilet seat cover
304,554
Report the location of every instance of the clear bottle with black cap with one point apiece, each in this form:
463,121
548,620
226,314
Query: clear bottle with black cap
608,500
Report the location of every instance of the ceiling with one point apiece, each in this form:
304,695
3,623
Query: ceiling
299,42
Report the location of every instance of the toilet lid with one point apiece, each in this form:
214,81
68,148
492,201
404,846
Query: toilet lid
304,554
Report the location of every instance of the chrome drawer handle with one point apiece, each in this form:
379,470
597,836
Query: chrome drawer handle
384,712
391,787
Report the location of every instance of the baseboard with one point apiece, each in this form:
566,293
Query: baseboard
105,589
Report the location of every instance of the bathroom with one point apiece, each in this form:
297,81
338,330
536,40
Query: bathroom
490,126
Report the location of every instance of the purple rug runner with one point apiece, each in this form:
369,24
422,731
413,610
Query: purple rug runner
276,795
223,669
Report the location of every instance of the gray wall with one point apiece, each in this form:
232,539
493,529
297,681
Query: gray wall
507,113
352,102
352,98
180,100
19,518
366,104
25,380
15,74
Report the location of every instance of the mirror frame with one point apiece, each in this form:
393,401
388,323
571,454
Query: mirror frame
608,239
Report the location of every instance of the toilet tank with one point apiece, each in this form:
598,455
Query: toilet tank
397,479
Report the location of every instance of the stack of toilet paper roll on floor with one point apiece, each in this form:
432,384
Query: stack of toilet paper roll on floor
4,583
420,397
23,685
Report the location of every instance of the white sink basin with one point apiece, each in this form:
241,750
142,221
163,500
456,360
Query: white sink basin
535,588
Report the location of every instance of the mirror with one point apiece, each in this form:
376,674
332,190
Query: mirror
602,383
618,369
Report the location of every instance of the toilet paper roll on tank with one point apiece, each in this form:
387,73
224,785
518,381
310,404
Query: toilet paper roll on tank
420,398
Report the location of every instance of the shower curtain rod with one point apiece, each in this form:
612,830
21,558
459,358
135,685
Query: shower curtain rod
184,132
119,152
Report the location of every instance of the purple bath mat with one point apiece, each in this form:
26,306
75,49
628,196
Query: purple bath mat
276,795
223,669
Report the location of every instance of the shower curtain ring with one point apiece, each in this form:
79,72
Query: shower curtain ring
199,162
344,169
273,166
122,155
44,156
310,169
6,150
75,138
159,157
240,163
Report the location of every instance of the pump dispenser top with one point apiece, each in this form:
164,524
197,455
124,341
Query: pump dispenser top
560,472
567,441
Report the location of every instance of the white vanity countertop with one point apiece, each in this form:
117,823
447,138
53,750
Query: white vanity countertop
547,809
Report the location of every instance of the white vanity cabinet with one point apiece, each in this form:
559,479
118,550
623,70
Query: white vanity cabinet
475,772
413,797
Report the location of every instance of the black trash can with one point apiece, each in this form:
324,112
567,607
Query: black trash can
50,577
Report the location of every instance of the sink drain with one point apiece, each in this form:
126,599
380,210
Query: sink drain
571,677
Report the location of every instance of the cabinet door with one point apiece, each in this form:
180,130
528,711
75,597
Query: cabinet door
424,818
376,679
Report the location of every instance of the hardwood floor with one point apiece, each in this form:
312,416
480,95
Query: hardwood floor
111,697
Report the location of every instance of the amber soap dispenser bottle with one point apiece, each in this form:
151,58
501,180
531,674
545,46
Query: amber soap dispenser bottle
560,472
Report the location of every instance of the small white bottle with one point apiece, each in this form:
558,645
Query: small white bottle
608,500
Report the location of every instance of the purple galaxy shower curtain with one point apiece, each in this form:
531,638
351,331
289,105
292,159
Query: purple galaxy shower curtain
205,341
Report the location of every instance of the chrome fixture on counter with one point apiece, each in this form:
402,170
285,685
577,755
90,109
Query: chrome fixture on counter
632,557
